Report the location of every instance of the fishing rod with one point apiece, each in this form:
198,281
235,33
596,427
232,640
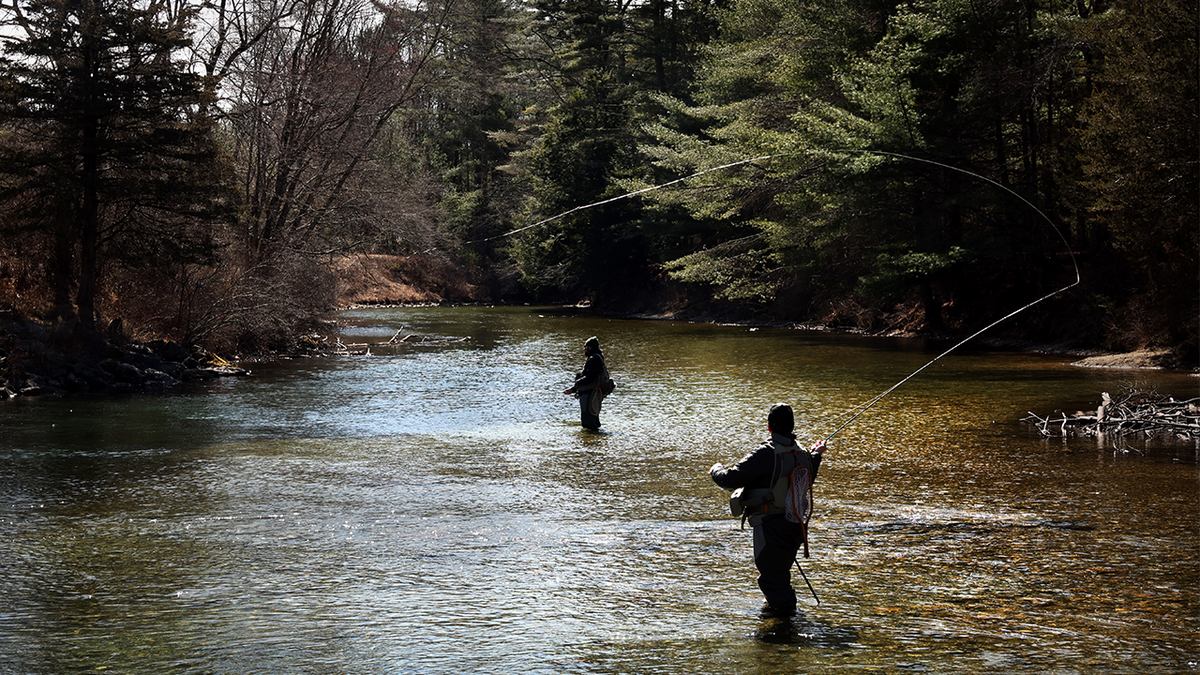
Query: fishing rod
810,586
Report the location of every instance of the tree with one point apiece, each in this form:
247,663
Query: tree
473,106
317,116
617,54
105,140
1141,169
871,113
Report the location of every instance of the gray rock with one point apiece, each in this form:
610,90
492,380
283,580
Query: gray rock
128,373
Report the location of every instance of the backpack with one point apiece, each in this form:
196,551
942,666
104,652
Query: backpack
604,387
790,493
606,383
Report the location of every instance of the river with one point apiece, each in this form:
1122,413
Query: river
434,507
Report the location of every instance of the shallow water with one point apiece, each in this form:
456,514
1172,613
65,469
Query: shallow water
434,508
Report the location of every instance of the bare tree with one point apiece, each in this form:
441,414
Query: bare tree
316,105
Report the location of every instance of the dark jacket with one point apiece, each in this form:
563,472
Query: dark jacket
756,469
587,379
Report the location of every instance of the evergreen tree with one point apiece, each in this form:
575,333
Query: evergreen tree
104,138
616,55
473,113
838,97
585,141
1141,167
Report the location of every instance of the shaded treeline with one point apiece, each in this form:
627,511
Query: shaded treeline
196,167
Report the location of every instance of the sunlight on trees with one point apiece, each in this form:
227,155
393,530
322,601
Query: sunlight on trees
198,167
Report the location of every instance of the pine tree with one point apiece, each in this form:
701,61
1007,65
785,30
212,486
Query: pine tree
1141,167
866,109
613,58
474,111
105,142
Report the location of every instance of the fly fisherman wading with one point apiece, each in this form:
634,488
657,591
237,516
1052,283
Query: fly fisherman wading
588,387
777,472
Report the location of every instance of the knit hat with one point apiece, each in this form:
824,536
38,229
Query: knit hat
781,419
592,343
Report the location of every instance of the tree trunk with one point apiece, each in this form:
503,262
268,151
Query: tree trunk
63,270
85,299
933,310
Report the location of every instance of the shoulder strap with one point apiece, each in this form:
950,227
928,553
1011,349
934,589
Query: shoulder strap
786,461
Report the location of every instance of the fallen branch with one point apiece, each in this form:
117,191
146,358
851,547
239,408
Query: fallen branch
364,348
1140,413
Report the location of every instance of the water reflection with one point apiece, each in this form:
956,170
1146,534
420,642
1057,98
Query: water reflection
436,509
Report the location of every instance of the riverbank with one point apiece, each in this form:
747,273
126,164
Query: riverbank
403,279
392,280
40,359
36,360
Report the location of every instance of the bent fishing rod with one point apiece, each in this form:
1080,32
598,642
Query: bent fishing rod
1075,264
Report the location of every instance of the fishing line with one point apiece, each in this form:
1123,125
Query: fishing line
617,198
1002,319
867,406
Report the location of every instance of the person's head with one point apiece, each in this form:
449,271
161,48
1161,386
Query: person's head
592,345
780,420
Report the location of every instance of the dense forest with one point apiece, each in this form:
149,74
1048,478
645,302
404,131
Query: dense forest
200,169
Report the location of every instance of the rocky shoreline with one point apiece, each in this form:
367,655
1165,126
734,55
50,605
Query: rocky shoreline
34,361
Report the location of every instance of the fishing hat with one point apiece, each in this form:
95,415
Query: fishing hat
781,419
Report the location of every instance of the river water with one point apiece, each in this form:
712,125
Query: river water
434,507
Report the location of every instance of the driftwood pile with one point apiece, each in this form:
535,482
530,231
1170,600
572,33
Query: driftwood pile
1130,414
340,348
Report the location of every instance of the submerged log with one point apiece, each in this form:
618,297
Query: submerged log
1132,413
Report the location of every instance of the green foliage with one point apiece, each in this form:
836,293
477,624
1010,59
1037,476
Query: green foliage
478,108
587,146
583,144
895,273
884,128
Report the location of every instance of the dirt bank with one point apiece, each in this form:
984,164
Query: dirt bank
1146,358
396,279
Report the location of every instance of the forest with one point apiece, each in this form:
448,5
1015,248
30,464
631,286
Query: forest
200,170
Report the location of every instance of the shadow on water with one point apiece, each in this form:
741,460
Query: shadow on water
805,631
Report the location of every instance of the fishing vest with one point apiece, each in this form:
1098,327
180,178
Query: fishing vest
790,492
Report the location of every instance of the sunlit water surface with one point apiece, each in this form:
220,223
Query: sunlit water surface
434,508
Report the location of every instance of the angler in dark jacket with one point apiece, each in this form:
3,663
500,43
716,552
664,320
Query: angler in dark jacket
586,383
777,539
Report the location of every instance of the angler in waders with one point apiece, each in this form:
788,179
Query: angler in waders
763,482
588,384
